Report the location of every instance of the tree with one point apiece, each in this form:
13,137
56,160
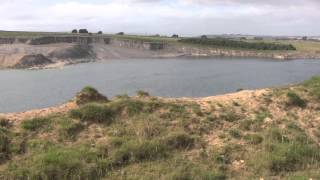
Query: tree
83,31
305,38
100,32
120,33
175,36
204,37
75,31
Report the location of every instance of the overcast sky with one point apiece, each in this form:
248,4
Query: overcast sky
185,17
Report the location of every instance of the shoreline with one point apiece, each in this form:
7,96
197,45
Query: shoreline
202,101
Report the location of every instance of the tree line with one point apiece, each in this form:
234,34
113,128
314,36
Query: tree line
222,42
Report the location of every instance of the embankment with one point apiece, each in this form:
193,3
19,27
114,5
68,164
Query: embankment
76,49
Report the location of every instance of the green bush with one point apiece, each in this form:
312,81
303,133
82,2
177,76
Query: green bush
292,156
235,133
36,124
142,94
135,151
60,163
295,100
253,139
228,43
180,140
314,85
4,122
89,94
230,115
93,113
69,129
5,142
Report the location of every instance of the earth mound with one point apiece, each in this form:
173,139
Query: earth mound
29,61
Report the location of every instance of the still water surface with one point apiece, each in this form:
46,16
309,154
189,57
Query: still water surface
22,90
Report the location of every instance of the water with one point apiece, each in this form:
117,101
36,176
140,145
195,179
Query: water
22,90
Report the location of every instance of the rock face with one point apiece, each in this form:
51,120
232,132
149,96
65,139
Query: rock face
29,61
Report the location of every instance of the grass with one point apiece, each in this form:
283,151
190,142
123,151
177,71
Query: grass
295,100
144,137
36,124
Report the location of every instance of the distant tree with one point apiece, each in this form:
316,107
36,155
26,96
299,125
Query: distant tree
204,37
175,36
258,38
120,33
75,31
305,38
157,35
83,31
243,38
100,32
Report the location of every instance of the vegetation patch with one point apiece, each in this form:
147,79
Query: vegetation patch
295,100
36,124
227,43
89,94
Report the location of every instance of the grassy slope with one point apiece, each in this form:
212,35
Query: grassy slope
275,134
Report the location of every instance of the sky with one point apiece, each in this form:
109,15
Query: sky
165,17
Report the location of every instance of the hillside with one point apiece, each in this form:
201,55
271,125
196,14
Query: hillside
267,134
58,49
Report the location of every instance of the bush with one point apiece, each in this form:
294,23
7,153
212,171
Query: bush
293,156
70,129
230,116
60,163
235,133
222,42
36,124
93,113
314,85
180,140
89,94
295,100
142,94
253,139
4,145
4,122
135,151
83,31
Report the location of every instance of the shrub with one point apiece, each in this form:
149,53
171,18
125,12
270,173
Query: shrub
295,100
230,116
60,163
89,94
135,151
235,133
69,128
4,145
83,31
314,85
36,124
222,42
180,140
93,113
292,156
142,94
253,139
4,122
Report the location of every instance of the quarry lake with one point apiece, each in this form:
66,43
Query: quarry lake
22,90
